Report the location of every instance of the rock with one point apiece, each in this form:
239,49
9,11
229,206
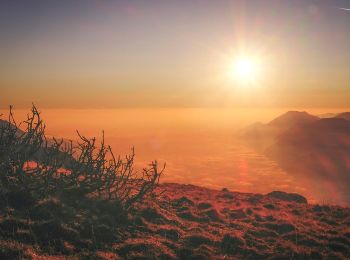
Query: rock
227,195
293,197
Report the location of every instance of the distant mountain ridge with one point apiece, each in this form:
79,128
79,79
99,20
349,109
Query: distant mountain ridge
292,118
328,136
261,136
276,127
308,146
4,123
50,141
344,115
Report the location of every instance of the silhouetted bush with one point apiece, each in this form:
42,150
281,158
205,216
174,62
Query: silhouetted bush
34,165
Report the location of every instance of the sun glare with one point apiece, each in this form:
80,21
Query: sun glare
244,70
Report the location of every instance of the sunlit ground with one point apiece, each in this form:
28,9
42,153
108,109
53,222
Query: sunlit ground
200,146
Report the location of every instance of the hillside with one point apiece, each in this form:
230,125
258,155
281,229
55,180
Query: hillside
319,136
4,123
261,136
319,151
292,118
185,222
344,115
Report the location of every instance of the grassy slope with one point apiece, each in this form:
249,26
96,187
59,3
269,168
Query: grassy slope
186,222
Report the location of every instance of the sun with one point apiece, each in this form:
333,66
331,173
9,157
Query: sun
244,70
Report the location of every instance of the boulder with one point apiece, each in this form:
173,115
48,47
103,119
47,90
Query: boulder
292,197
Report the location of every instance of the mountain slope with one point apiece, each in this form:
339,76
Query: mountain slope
186,222
319,151
262,136
327,138
292,118
344,115
4,124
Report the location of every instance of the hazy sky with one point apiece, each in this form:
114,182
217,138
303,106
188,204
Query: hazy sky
106,54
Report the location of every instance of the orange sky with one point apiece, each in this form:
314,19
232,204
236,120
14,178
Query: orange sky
117,54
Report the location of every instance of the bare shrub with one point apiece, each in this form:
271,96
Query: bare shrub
33,163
